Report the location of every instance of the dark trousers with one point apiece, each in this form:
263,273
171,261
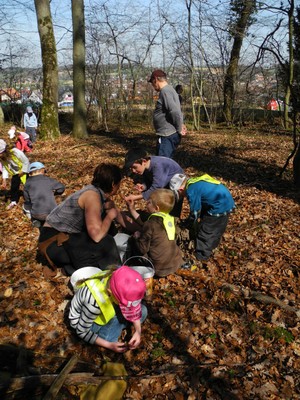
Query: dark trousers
209,232
15,188
81,251
176,210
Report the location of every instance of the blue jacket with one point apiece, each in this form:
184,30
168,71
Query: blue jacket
209,198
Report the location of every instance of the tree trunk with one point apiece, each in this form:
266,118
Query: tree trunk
80,111
296,167
241,26
291,64
1,116
49,114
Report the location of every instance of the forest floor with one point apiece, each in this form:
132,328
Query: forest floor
228,330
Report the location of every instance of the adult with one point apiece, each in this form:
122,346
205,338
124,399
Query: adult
179,90
167,116
77,233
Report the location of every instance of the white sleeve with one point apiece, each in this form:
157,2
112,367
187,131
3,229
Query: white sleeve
24,160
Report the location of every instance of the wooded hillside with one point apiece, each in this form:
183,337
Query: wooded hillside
226,331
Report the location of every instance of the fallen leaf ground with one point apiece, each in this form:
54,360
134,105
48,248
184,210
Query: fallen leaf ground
206,336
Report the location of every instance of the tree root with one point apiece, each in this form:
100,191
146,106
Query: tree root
254,295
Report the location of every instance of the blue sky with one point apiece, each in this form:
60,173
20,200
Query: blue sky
22,25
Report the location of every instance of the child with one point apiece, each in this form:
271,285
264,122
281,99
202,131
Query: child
14,164
106,304
157,238
23,142
30,123
39,192
156,172
210,201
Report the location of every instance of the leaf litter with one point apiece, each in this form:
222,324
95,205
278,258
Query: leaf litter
206,335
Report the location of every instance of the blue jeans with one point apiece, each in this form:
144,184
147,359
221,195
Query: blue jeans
166,145
31,132
112,330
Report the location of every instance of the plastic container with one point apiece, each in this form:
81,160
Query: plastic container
81,274
121,240
145,267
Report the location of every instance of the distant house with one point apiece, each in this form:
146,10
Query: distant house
273,105
36,97
67,100
9,94
68,96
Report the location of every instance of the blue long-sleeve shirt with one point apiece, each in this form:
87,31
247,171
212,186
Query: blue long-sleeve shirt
159,174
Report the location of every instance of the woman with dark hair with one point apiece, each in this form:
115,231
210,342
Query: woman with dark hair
77,233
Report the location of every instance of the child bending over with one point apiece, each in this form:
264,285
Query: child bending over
210,205
15,166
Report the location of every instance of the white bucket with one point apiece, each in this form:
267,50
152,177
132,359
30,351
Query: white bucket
147,271
81,274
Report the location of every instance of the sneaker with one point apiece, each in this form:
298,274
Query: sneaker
11,205
189,266
27,213
36,223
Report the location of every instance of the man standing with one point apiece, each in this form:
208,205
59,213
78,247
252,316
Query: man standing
167,116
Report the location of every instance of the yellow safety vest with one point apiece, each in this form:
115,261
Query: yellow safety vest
19,164
205,177
97,286
168,222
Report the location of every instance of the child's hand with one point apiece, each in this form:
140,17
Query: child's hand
118,347
130,204
134,341
137,234
129,198
140,187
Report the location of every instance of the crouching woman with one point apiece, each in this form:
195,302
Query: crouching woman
79,231
107,303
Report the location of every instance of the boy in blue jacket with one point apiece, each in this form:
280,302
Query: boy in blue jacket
210,205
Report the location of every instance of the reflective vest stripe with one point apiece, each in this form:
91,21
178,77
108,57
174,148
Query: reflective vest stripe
205,178
97,287
168,222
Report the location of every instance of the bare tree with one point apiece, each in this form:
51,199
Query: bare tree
49,114
243,10
80,113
